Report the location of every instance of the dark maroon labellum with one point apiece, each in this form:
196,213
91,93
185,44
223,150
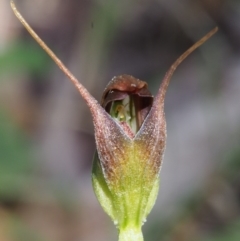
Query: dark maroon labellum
128,100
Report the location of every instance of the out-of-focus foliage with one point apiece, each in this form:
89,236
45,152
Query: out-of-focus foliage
24,56
20,232
229,233
15,162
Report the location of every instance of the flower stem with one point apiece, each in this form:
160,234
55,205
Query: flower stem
130,234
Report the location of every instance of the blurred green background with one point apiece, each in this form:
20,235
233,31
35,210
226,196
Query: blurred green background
46,132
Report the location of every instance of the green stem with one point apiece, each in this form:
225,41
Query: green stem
130,234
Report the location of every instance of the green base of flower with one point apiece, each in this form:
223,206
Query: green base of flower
130,234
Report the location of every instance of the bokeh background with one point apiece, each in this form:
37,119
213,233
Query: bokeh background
46,131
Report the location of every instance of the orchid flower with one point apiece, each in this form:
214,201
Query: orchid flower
130,134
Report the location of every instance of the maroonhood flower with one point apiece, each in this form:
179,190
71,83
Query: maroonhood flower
130,133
